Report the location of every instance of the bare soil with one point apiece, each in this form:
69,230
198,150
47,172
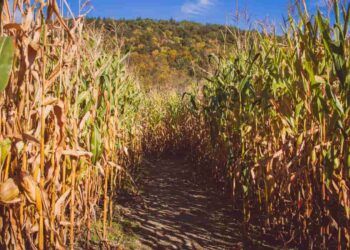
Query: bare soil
173,212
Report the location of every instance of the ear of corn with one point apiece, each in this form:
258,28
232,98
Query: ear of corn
9,192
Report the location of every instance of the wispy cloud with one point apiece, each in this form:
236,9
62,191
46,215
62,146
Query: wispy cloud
320,3
197,7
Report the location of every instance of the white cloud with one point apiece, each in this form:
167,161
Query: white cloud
197,7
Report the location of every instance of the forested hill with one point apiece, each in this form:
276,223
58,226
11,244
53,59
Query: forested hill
166,53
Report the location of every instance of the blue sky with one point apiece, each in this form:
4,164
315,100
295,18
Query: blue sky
205,11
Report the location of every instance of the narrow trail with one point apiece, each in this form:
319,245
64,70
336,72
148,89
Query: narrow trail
178,214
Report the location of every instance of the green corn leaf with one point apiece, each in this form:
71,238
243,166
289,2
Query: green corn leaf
335,47
5,146
96,144
334,101
324,28
336,12
310,71
298,109
7,53
83,96
329,165
244,82
346,20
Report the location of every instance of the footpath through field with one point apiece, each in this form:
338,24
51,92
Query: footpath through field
175,213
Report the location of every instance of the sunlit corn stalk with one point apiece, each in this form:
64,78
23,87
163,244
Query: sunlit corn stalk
105,204
42,135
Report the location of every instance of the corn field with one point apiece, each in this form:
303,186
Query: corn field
68,127
270,125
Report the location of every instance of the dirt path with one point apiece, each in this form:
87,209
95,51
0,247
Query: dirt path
178,214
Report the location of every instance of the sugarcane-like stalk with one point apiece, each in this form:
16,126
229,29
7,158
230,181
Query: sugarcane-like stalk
105,204
42,139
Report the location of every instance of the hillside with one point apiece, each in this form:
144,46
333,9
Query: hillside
166,53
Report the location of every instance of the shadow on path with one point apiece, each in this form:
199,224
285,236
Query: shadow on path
178,214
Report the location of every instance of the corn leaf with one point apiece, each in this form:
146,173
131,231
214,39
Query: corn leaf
7,52
96,144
